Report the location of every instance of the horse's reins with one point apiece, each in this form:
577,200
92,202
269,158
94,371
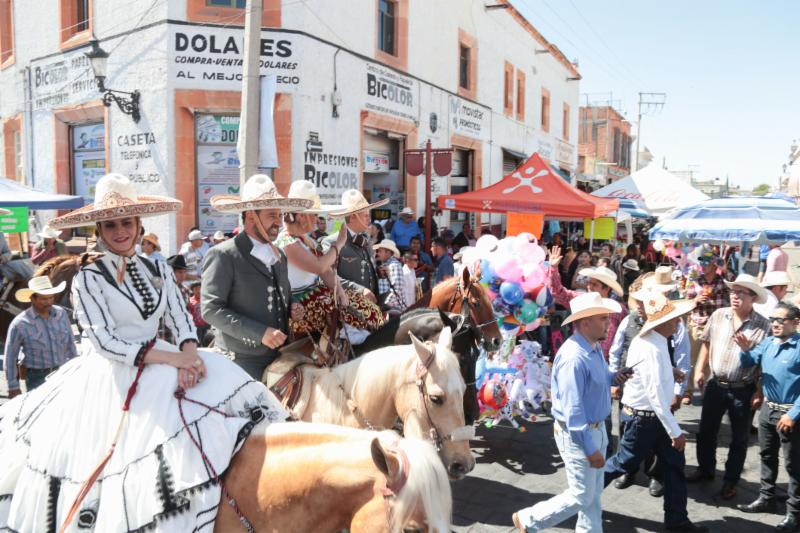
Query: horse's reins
466,309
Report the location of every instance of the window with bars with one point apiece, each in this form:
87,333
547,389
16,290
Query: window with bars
386,26
227,3
520,95
81,16
545,110
464,66
565,122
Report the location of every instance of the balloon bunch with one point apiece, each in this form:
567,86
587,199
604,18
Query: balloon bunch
514,272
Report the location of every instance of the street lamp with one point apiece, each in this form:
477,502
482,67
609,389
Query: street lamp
127,104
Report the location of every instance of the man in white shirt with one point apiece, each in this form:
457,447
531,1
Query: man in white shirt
647,400
194,250
777,283
410,262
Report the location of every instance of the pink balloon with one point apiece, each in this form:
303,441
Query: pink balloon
533,325
533,276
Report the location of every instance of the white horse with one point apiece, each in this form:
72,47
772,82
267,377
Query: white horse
420,383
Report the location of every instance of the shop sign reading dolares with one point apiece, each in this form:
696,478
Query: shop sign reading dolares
390,92
213,58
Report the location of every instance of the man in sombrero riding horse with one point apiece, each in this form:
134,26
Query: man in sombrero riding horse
246,294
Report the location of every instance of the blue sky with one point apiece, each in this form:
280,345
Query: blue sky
731,71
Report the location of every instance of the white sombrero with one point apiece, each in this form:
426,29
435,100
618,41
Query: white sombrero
659,309
306,190
388,244
750,282
259,192
590,304
39,285
353,202
114,198
603,275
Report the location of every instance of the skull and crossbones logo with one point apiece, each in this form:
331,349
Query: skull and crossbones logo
526,181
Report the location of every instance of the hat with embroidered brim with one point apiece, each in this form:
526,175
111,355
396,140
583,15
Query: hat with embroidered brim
353,202
115,198
659,309
306,190
39,285
590,304
259,192
387,244
604,275
751,283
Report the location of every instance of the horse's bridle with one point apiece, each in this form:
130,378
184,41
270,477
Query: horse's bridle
435,435
466,311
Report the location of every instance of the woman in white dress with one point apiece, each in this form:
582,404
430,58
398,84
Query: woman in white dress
312,275
53,438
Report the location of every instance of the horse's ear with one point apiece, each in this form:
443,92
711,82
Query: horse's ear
465,277
446,320
422,349
446,338
386,462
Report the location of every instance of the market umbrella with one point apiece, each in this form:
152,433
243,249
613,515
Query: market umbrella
755,220
14,194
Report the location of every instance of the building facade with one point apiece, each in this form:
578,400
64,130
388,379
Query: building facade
604,145
357,82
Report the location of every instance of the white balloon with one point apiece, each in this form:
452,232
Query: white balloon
486,243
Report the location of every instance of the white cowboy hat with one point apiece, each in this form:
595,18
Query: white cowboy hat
39,285
218,236
750,282
306,190
603,275
353,201
196,235
590,304
775,278
407,211
152,238
631,264
660,280
659,309
259,192
48,233
115,198
389,245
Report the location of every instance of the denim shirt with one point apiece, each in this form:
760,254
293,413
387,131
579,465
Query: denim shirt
780,369
580,388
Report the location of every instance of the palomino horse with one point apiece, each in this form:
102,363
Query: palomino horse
421,385
462,295
314,477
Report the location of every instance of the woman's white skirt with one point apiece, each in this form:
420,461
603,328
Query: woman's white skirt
52,438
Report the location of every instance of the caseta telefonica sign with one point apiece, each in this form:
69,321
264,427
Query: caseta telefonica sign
213,58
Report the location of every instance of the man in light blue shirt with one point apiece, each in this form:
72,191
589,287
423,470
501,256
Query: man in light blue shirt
404,229
779,359
581,402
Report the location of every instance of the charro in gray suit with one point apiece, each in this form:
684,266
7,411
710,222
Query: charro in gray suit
357,262
241,298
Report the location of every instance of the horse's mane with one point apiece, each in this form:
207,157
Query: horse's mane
52,265
427,479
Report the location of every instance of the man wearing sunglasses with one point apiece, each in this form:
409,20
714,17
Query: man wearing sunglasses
731,387
778,356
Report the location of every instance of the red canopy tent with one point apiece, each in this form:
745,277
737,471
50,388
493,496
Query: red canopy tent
533,187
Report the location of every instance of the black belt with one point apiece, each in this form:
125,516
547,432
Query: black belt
31,369
630,411
732,384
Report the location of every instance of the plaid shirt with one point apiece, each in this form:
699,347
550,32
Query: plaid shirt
395,298
723,352
46,342
719,298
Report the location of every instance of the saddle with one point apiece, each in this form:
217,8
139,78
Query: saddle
284,377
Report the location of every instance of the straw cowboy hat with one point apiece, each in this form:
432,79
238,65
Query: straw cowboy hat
388,244
750,282
48,233
775,278
660,280
152,238
115,198
660,309
353,202
308,191
259,192
39,285
604,275
407,211
590,304
631,264
218,236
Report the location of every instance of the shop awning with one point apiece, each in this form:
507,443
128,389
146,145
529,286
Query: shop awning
531,188
14,194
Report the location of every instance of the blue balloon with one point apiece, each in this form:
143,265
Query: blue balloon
487,272
511,292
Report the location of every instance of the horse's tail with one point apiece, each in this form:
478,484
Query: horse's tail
427,483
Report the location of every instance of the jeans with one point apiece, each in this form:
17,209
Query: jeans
716,402
585,486
770,440
643,436
34,377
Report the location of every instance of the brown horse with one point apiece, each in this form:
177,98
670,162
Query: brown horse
316,477
64,268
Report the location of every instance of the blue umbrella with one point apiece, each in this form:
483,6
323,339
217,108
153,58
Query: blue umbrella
756,220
